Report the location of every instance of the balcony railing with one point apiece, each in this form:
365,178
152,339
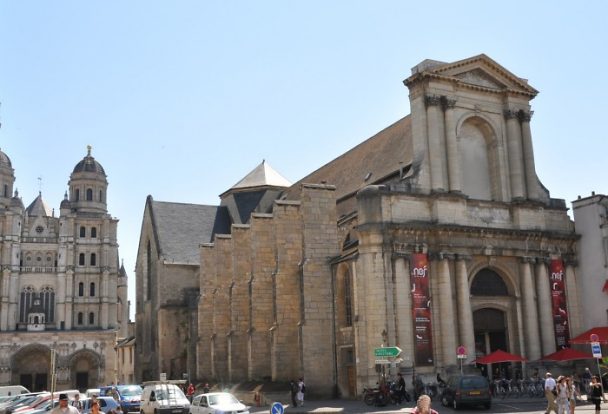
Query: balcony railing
38,269
39,239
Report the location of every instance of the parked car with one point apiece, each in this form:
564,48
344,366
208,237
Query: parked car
467,389
129,397
92,391
106,404
217,402
163,398
10,390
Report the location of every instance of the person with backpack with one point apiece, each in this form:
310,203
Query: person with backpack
293,386
301,391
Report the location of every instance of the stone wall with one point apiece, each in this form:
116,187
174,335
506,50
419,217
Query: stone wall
265,309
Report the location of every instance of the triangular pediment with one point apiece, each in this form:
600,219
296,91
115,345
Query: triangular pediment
484,72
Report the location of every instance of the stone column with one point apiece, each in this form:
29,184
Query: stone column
12,298
530,315
465,313
4,301
60,299
514,148
528,150
103,317
435,135
454,171
446,309
405,324
69,297
547,330
574,309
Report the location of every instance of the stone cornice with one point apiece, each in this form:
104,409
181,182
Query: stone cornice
419,77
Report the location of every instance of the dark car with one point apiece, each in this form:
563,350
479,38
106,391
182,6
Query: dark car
467,389
128,396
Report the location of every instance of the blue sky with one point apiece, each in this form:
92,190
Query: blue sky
181,99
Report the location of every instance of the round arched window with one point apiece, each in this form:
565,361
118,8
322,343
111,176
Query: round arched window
488,283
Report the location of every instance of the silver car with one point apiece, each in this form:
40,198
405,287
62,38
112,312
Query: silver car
217,402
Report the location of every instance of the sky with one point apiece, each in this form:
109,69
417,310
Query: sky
181,99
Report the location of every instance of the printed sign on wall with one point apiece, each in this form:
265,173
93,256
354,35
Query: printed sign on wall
558,303
421,309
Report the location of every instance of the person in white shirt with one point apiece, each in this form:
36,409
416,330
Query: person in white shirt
64,407
550,393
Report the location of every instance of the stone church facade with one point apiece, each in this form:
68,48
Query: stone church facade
62,290
433,234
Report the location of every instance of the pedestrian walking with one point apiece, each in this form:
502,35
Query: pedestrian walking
301,391
401,394
293,387
563,396
595,393
550,393
64,407
423,406
95,408
573,393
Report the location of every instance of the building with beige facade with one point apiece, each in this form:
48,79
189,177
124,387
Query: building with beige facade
62,289
591,221
433,234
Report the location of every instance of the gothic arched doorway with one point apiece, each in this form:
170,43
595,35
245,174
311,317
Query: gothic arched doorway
85,366
30,367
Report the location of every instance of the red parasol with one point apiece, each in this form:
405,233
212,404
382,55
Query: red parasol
499,356
567,354
585,337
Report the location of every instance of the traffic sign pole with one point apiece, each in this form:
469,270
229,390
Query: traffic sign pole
596,350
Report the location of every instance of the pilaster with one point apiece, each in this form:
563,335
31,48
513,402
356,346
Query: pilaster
435,137
514,148
529,308
544,307
465,313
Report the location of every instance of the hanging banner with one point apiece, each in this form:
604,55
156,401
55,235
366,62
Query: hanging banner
421,309
559,304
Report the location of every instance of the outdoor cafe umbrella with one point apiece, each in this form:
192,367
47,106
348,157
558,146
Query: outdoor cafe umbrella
585,337
566,354
499,356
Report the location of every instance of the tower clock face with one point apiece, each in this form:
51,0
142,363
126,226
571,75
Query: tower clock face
39,229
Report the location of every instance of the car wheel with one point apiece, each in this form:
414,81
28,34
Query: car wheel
455,405
444,401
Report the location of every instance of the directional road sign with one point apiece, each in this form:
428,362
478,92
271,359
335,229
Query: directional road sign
276,408
389,351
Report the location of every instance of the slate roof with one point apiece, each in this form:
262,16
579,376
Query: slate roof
370,162
39,208
180,228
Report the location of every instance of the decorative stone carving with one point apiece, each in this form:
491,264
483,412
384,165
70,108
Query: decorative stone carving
510,113
525,116
480,78
448,102
432,100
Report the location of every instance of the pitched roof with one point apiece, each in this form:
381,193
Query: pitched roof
39,208
180,228
369,162
262,175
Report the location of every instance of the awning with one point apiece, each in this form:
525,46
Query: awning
567,354
585,337
499,356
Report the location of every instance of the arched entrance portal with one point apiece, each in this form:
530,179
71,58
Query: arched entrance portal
30,367
490,319
85,366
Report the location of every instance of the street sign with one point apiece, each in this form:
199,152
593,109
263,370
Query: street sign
382,362
594,338
163,376
596,349
461,352
389,351
277,408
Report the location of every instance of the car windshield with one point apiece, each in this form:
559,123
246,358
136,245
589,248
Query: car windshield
130,391
221,399
474,382
169,393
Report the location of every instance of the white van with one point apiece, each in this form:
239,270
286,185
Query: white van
8,390
163,398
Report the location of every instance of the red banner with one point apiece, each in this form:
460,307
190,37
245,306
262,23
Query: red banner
557,279
421,309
